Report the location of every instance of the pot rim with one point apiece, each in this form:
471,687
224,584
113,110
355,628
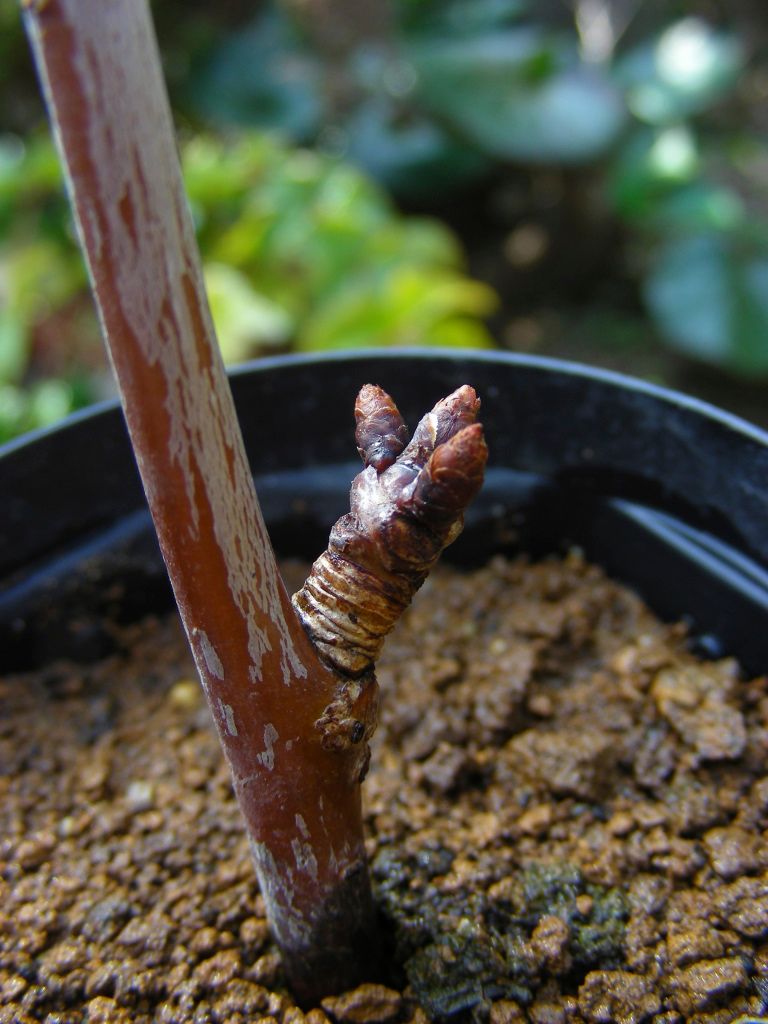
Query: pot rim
665,491
573,368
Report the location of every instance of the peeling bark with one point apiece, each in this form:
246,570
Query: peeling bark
406,506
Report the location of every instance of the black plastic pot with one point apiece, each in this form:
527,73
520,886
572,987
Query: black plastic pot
669,494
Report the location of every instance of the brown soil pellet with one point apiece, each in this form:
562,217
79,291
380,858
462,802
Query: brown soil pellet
566,818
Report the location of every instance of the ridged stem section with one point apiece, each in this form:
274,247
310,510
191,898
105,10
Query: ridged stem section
405,506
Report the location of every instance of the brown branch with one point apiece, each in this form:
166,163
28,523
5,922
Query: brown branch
264,682
294,706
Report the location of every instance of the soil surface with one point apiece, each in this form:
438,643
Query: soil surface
566,813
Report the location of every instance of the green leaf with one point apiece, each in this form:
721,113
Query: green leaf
459,17
32,200
29,168
520,96
13,412
306,247
14,347
219,175
652,164
687,69
41,405
40,276
245,321
459,332
419,241
409,152
260,78
401,306
709,296
49,401
701,207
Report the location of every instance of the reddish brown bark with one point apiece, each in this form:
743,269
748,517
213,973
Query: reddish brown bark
264,682
293,717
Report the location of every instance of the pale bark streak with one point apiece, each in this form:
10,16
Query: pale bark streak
137,231
263,679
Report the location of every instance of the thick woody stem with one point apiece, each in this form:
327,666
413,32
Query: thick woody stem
264,682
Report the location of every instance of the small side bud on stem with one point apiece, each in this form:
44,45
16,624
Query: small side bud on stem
380,432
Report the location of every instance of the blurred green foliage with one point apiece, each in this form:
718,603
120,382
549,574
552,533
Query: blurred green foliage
300,251
462,87
442,102
457,86
40,271
695,198
303,249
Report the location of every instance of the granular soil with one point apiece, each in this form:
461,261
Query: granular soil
566,815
